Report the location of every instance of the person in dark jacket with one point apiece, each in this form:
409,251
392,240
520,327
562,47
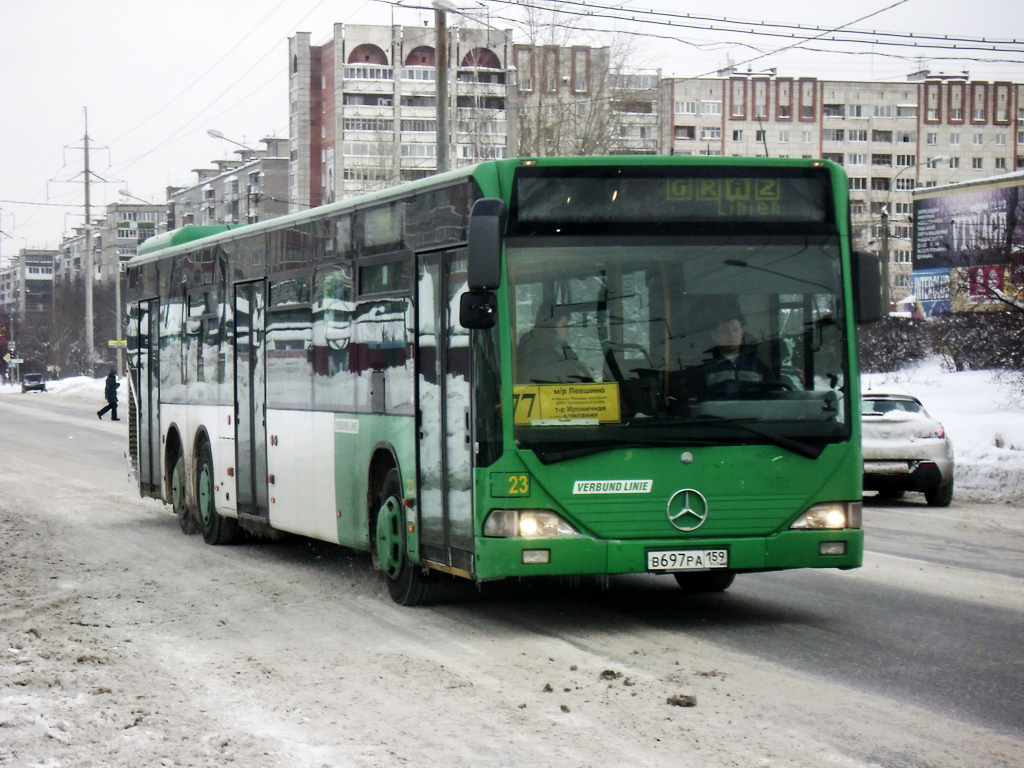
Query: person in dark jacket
733,368
110,391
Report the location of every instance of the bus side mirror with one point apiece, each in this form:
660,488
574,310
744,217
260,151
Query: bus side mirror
867,284
486,228
478,309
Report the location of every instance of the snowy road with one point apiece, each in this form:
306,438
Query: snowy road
126,644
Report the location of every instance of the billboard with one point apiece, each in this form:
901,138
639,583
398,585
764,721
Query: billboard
974,235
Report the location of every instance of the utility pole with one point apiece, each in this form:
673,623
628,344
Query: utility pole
441,73
89,341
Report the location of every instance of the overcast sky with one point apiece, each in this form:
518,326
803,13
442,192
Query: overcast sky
156,76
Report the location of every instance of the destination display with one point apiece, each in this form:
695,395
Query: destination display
664,196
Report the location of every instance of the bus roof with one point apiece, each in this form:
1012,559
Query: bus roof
493,171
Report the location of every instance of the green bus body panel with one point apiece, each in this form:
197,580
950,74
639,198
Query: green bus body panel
353,448
754,493
503,558
187,234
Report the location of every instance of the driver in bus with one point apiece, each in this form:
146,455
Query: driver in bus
734,367
544,353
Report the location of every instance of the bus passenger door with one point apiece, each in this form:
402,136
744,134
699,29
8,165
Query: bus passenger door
443,401
148,391
250,398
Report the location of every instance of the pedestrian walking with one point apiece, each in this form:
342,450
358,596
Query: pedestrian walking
110,391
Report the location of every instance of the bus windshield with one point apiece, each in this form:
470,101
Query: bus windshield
677,341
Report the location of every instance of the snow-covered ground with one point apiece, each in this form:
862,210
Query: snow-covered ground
982,415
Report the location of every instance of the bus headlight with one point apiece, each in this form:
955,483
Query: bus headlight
527,524
832,515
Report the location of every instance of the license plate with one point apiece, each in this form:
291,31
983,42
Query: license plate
687,559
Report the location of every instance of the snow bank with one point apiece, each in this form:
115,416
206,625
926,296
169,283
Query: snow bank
983,417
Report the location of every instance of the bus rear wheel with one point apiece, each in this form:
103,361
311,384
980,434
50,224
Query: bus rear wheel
216,528
186,518
704,581
406,581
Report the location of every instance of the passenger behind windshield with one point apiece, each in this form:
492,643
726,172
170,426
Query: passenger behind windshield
545,355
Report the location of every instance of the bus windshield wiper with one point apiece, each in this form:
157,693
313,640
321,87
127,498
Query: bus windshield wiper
809,450
554,456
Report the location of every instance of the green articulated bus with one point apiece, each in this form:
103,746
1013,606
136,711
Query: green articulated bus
527,367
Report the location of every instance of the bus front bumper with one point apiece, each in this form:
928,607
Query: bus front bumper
499,558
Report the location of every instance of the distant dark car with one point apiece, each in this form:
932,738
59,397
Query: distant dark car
33,382
905,449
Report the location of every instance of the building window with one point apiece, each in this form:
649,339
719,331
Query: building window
906,161
884,137
858,207
783,137
807,137
976,163
906,137
708,133
883,110
1000,163
785,112
737,135
905,184
857,134
954,139
956,114
932,138
954,162
686,132
857,110
858,182
880,183
857,158
906,111
760,136
885,160
711,107
979,139
833,110
1000,139
833,134
686,107
835,157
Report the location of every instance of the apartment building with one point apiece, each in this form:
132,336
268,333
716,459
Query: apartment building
891,137
363,106
243,190
26,288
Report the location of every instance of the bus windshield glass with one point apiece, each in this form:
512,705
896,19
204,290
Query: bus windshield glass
677,341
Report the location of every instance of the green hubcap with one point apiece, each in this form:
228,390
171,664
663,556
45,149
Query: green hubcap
205,494
390,550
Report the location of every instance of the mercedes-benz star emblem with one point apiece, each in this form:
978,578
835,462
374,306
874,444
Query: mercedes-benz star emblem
687,509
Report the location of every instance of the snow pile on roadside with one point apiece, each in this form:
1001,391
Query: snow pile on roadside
983,418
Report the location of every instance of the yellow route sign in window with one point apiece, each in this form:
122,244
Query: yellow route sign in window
554,403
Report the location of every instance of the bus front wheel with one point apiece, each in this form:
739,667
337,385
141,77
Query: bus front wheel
179,503
216,528
407,583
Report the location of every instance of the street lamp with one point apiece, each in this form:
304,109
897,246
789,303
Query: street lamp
886,291
213,133
126,193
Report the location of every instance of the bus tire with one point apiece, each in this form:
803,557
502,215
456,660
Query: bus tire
179,498
407,583
704,581
216,528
